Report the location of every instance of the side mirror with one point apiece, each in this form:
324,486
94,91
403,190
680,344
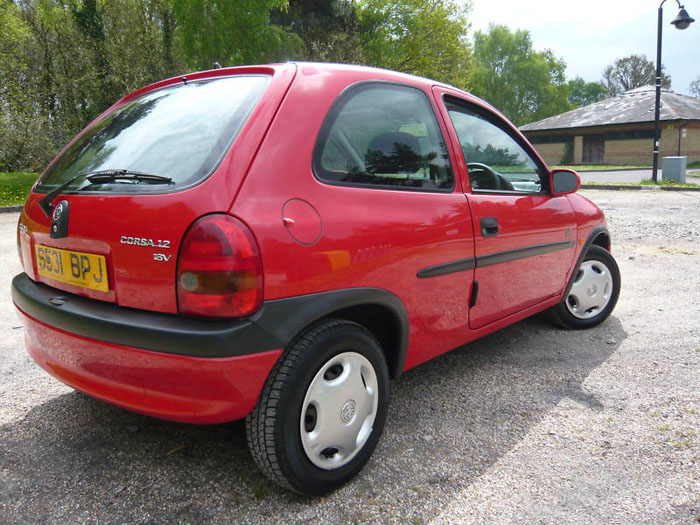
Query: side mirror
563,181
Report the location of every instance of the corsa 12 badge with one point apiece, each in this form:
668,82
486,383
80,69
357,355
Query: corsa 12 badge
59,220
149,243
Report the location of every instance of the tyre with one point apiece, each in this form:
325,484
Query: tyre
593,293
322,409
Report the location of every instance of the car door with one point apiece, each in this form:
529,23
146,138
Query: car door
524,237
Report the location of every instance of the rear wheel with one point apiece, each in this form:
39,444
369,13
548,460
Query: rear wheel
594,291
322,409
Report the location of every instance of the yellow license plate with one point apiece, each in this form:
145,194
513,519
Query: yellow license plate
86,270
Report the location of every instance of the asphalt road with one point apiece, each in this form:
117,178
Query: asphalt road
630,176
532,424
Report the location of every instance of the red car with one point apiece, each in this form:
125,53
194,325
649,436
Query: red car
278,242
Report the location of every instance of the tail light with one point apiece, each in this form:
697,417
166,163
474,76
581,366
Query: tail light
219,270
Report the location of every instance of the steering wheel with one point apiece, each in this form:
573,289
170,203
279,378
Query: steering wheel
482,177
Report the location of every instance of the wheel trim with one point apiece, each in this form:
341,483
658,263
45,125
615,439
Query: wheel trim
591,291
339,409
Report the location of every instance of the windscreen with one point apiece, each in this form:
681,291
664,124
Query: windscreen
181,131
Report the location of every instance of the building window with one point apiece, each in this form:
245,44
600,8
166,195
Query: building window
630,135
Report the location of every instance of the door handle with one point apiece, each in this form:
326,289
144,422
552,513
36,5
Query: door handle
489,226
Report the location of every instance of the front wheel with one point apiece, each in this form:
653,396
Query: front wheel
593,293
322,409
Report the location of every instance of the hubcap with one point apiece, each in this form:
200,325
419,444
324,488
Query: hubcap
591,290
339,410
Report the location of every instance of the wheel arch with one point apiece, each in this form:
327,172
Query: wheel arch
385,325
600,236
379,311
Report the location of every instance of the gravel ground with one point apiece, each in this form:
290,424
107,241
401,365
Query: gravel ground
532,424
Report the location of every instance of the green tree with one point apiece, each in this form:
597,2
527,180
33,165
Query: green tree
56,81
582,93
328,30
90,23
64,62
18,123
695,87
140,43
422,37
631,72
526,85
230,32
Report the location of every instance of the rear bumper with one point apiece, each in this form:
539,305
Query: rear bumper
155,331
75,342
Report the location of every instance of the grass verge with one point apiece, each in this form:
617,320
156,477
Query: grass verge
668,183
14,187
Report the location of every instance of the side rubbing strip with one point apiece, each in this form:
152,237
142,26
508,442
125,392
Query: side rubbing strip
521,253
493,258
443,269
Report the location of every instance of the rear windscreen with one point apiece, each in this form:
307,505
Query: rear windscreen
181,131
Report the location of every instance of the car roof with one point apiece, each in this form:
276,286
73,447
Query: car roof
305,71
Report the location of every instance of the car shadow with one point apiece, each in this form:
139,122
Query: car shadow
74,458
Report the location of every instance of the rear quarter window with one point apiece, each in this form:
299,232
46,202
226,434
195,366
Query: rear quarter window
181,131
383,135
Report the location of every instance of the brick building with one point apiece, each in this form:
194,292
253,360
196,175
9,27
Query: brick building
620,130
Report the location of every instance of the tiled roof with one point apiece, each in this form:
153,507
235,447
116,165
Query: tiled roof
636,105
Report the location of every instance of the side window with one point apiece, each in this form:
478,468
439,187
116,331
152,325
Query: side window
383,135
495,161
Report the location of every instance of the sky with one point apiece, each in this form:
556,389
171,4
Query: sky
590,34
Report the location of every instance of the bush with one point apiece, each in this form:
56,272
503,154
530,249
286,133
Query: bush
568,157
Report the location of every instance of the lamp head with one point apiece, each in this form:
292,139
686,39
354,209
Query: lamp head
683,19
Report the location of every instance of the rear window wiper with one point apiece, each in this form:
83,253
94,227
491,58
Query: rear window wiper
131,175
97,177
45,203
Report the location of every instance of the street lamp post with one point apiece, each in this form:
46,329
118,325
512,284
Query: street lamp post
682,21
